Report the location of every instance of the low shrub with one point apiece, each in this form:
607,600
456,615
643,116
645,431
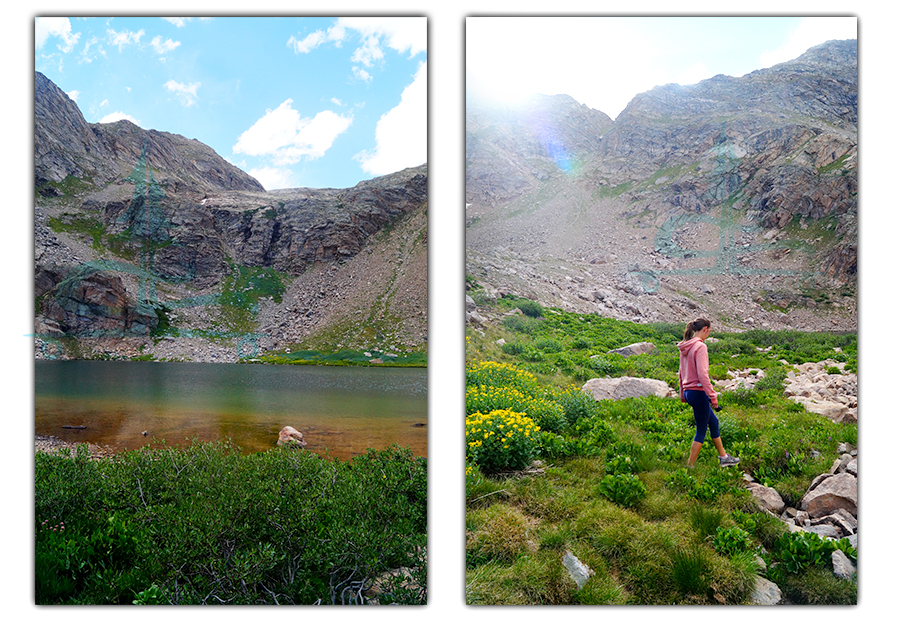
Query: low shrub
206,524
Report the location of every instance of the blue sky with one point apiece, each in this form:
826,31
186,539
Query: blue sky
603,62
296,102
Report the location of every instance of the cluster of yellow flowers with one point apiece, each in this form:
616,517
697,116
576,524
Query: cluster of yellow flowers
501,437
487,398
496,373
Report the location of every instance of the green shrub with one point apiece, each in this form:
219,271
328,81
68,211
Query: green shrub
548,345
522,324
279,526
576,404
530,308
513,348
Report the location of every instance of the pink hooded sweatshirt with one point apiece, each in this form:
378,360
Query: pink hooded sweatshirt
693,369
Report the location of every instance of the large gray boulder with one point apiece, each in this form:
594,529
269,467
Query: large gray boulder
639,348
765,593
623,387
767,497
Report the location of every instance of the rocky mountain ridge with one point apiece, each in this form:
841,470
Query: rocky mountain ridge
149,244
734,198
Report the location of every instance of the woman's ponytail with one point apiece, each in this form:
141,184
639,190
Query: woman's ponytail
693,327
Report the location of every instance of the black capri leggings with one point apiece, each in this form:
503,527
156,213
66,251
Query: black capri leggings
703,414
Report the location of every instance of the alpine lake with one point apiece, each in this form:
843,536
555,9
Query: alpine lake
342,411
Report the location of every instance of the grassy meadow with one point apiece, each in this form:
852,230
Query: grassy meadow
612,485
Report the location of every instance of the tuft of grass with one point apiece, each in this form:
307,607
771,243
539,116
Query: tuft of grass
499,533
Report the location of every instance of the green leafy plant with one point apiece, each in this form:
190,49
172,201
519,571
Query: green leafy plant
796,551
150,596
732,541
623,489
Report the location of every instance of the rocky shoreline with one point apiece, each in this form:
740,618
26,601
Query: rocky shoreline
54,445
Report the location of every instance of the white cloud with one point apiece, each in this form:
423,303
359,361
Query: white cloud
272,178
46,27
180,22
187,93
285,136
118,116
123,38
401,135
811,32
401,34
369,52
87,54
73,95
308,43
164,47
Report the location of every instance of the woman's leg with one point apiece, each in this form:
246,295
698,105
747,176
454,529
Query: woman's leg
714,433
699,402
695,452
717,442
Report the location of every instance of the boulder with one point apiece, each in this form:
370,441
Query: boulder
843,567
291,438
623,387
765,593
639,348
767,497
830,494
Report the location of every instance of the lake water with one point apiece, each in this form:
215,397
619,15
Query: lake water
341,411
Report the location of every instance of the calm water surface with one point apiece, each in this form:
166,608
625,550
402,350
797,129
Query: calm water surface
341,411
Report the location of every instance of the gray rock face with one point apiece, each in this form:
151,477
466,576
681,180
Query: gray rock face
684,182
88,303
171,223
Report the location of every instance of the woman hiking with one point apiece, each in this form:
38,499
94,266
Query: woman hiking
695,389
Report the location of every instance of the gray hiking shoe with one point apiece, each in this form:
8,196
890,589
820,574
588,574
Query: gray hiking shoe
725,461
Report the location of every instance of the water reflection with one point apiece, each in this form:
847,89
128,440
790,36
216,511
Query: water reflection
341,411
